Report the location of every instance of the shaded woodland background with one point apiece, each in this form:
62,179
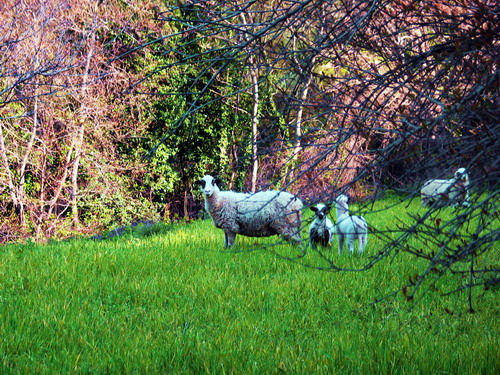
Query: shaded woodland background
110,110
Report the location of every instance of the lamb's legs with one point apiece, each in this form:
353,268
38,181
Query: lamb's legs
350,244
362,243
340,238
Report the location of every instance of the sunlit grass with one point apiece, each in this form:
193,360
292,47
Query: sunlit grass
174,301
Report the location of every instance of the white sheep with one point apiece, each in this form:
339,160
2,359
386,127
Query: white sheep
350,227
455,190
321,230
262,214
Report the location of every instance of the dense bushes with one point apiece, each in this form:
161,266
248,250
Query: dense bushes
109,112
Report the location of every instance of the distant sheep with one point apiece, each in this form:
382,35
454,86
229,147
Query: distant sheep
455,190
350,227
321,230
262,214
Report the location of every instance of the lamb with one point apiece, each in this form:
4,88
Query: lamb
321,230
262,214
455,190
350,227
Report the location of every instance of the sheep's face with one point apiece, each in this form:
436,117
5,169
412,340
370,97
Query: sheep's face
208,185
461,174
342,198
341,201
321,210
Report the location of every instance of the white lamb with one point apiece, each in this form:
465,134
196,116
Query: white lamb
321,230
350,227
455,190
262,214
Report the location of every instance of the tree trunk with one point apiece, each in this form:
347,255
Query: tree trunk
185,204
81,130
74,174
58,189
16,191
255,122
254,79
5,164
300,113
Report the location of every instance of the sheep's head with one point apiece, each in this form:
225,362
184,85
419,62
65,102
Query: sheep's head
208,185
342,198
341,202
321,210
461,175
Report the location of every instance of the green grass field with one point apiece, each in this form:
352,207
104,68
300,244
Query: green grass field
172,301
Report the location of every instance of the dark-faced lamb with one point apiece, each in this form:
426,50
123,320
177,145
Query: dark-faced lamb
321,230
349,227
455,190
262,214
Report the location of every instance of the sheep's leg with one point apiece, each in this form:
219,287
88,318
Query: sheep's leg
295,226
362,243
350,244
340,238
425,201
466,200
229,238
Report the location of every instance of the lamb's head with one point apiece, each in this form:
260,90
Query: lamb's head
208,185
341,203
321,210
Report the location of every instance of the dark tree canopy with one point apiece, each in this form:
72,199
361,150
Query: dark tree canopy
370,96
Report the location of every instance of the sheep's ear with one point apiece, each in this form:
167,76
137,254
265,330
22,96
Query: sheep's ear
328,206
313,208
217,181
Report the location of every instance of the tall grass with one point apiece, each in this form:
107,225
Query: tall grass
173,302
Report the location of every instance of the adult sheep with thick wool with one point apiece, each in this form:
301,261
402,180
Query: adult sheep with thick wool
321,230
455,190
261,214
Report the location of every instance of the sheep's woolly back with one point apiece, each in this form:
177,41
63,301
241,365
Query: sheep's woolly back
256,215
435,187
252,214
447,190
352,225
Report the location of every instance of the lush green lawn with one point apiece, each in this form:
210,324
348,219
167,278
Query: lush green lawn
174,302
